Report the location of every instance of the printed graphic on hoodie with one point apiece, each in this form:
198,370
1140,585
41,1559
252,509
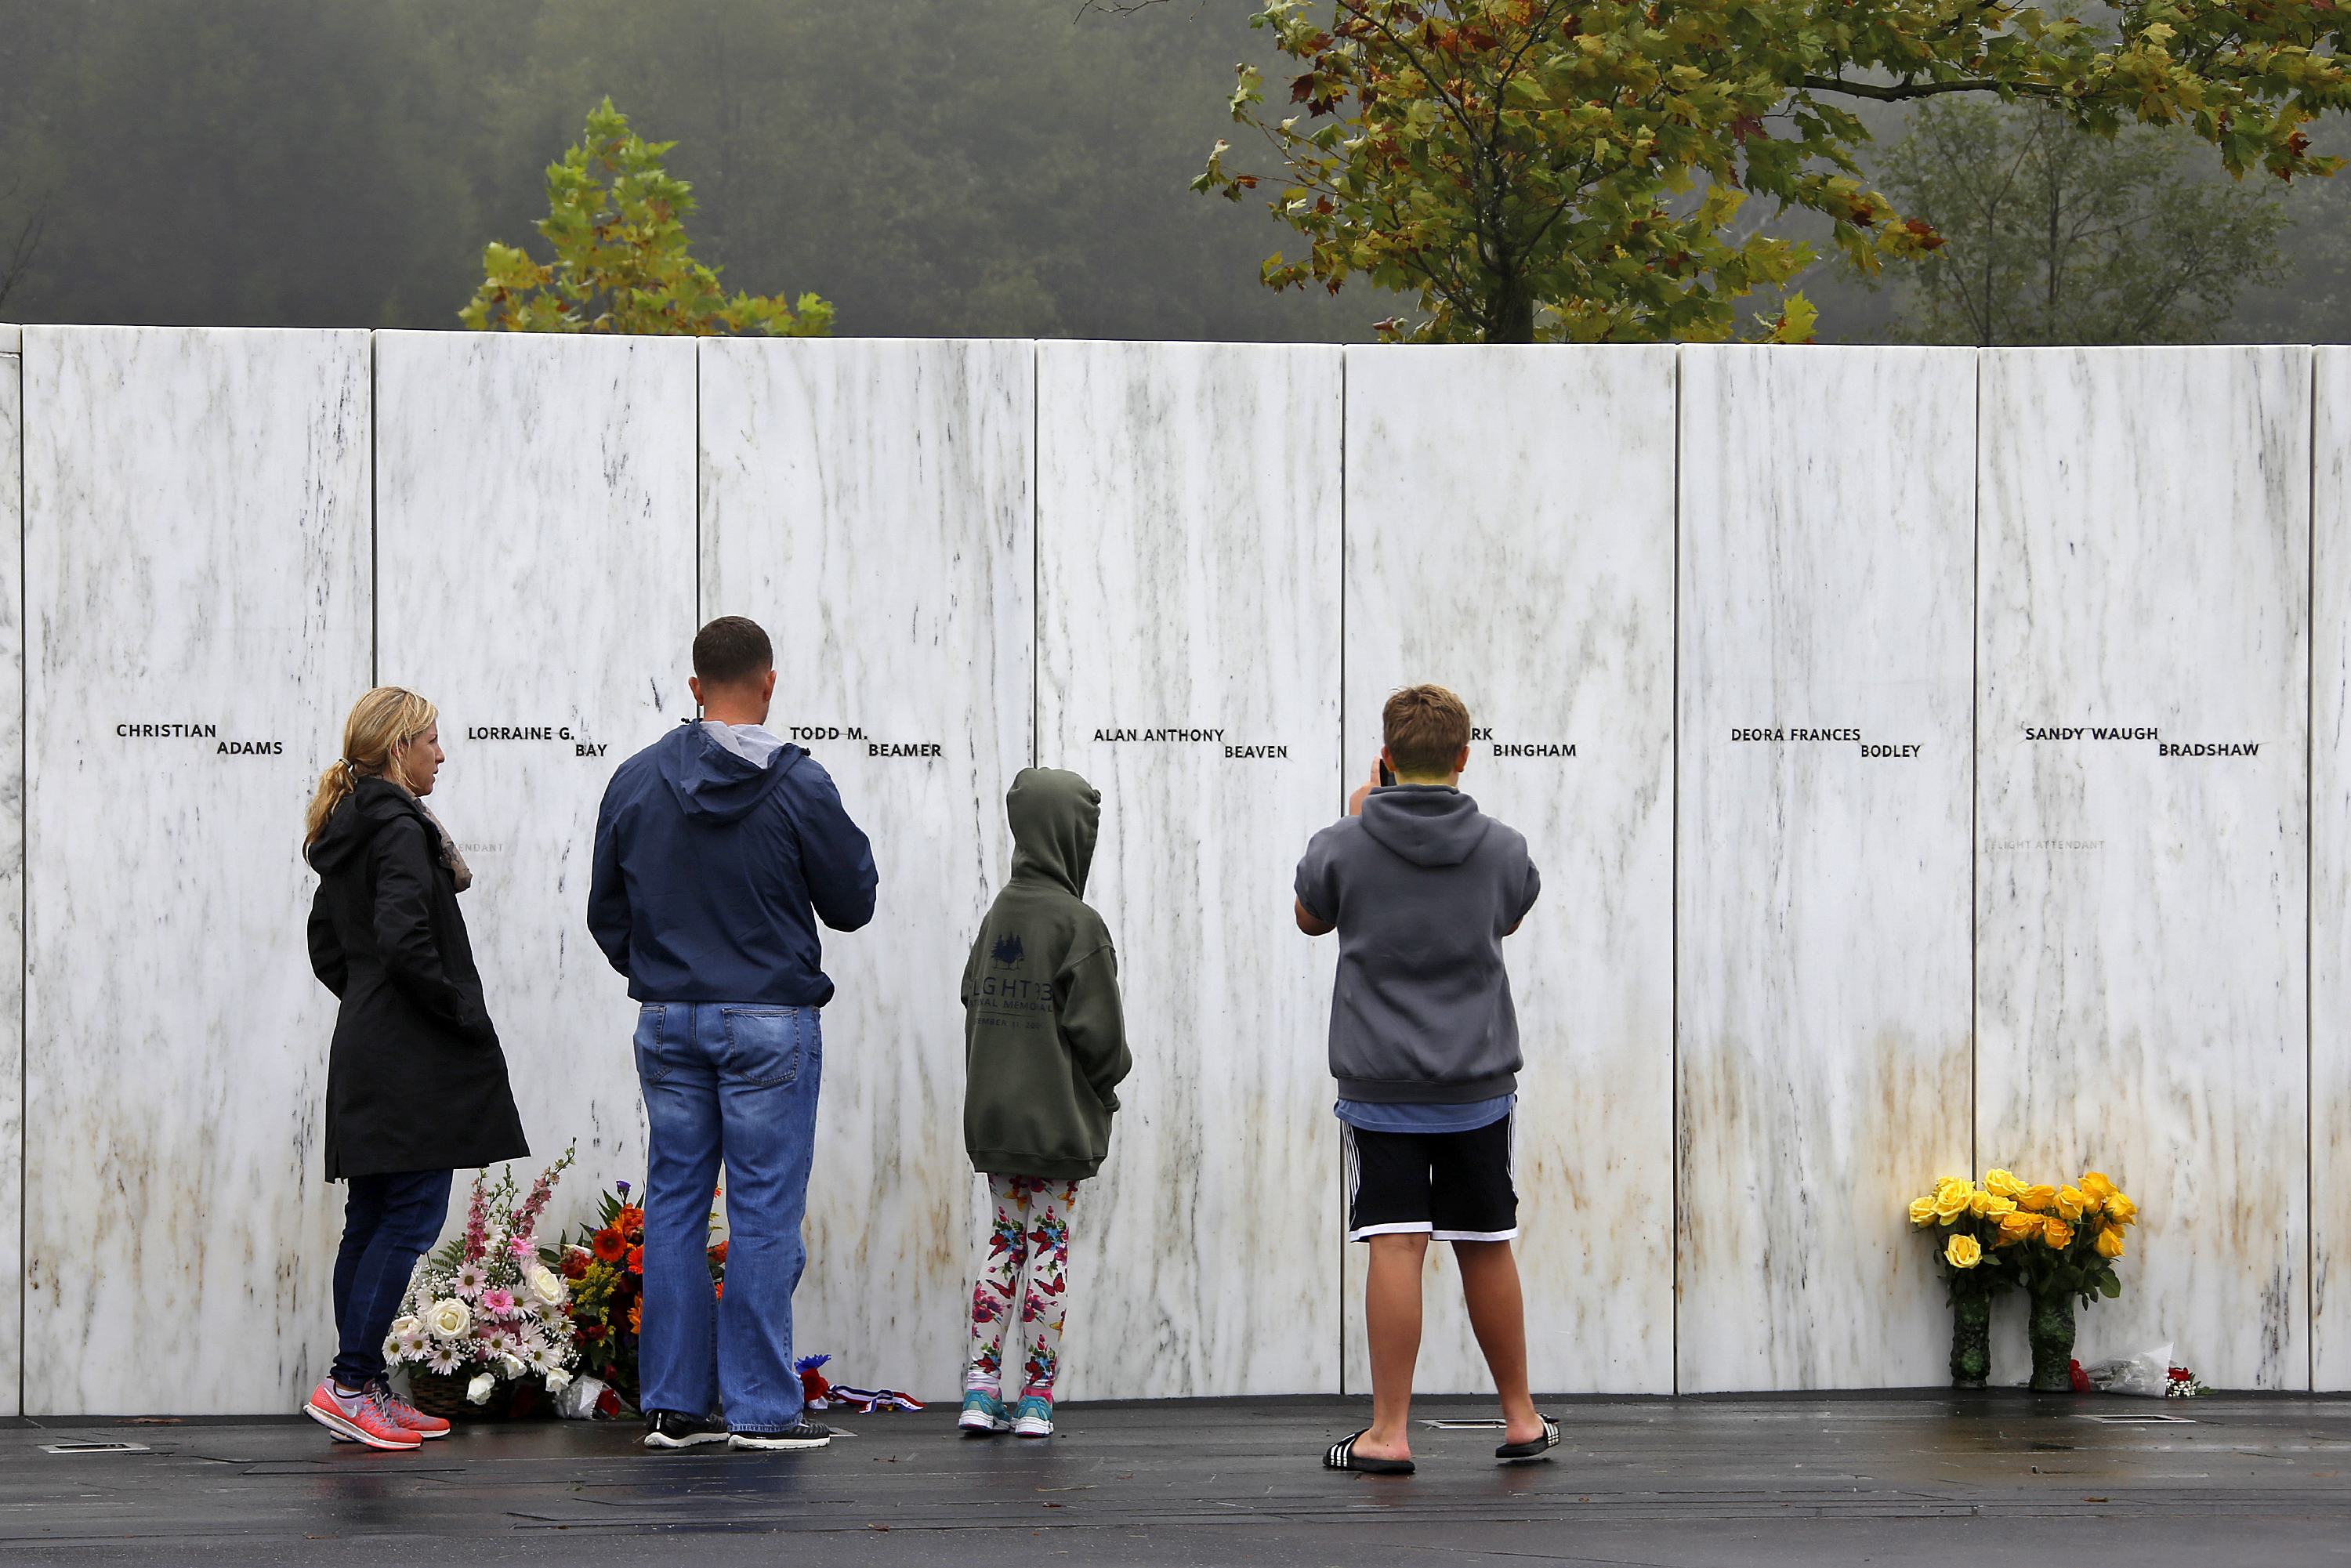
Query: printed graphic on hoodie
1010,999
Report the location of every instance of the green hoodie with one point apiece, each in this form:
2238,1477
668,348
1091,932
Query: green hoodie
1044,1041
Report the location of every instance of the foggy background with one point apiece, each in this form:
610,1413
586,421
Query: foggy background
967,168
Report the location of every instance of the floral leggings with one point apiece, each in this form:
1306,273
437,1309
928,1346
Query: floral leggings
1031,1237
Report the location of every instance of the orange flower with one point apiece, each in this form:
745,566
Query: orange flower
636,1260
636,1309
721,1288
2016,1226
609,1245
718,1253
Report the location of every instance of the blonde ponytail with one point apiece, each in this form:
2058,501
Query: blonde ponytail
380,723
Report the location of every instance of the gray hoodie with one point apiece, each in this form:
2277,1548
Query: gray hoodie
1421,886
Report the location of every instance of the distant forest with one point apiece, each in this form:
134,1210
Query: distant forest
934,167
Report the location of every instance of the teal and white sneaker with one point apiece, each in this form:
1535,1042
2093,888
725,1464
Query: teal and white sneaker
1034,1418
983,1415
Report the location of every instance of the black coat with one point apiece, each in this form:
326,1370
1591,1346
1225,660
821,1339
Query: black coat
416,1080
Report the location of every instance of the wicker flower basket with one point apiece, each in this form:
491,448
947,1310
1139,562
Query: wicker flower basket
442,1394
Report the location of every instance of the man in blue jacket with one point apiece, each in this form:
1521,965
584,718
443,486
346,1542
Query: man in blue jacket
718,847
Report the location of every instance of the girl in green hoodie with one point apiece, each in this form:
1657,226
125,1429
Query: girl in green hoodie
1044,1052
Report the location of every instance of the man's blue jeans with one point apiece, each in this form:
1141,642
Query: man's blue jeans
736,1082
387,1222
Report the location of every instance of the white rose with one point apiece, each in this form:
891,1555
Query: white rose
403,1328
514,1368
478,1391
546,1286
448,1317
558,1381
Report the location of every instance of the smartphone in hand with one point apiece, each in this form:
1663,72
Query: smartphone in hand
1388,774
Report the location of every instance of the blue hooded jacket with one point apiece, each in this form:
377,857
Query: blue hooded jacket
712,871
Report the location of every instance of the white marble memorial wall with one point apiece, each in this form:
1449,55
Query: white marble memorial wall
2156,974
870,504
536,561
1509,535
1824,990
12,860
2330,873
196,586
1188,647
2142,936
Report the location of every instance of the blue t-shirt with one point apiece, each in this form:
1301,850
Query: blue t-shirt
1387,1118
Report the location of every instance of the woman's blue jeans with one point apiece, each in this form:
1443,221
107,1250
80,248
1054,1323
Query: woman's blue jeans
387,1222
733,1083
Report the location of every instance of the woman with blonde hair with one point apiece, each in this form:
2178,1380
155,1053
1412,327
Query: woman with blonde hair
416,1085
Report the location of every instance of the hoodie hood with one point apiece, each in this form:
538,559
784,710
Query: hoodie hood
355,822
715,786
1056,817
1427,824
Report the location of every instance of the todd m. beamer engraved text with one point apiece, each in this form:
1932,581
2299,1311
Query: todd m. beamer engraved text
808,734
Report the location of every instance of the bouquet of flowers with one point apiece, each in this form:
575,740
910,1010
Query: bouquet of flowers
2062,1240
2057,1243
604,1271
485,1309
2049,1239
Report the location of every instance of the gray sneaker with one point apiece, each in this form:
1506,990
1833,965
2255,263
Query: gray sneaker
803,1434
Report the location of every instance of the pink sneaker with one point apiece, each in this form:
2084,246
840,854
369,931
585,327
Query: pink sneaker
408,1415
357,1419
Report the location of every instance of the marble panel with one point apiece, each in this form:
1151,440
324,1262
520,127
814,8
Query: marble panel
536,569
2142,932
1189,606
1827,629
12,864
197,578
1511,535
869,502
2330,873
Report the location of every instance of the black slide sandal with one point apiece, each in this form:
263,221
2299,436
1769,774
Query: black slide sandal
1343,1456
1534,1448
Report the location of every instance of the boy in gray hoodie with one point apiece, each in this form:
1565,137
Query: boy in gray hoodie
1422,887
1044,1052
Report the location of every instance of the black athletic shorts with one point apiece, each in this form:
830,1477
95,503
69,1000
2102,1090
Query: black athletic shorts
1451,1187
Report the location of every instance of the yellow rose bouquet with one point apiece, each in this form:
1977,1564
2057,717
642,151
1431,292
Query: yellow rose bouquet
1965,1221
2062,1243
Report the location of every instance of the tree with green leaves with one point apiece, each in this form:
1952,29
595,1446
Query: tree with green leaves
617,220
2056,237
1570,169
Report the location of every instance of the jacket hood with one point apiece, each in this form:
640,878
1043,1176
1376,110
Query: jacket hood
712,784
355,822
1056,817
1427,824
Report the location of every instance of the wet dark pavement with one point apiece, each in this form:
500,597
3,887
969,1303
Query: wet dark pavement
1908,1478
